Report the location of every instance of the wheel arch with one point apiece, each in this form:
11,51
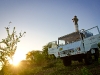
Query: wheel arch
94,46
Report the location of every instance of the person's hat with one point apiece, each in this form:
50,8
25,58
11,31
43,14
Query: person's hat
75,16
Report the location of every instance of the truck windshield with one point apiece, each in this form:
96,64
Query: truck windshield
61,42
52,44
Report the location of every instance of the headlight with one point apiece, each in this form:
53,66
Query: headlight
78,49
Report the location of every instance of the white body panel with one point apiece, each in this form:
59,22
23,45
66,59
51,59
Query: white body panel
53,51
69,48
91,42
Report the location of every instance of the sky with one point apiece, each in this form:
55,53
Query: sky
46,20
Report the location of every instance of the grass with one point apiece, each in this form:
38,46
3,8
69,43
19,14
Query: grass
75,69
55,67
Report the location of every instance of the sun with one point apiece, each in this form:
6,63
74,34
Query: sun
17,58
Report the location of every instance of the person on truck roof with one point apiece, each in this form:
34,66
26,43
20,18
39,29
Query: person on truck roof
75,20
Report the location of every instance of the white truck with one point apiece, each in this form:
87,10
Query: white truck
79,46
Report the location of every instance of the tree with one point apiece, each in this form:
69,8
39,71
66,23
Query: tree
40,57
36,56
8,46
31,54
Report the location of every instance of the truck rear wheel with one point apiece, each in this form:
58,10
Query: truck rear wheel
88,58
96,55
66,61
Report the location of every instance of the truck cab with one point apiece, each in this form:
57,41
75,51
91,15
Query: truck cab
53,48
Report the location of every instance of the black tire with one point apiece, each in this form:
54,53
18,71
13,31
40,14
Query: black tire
88,58
96,55
66,61
80,60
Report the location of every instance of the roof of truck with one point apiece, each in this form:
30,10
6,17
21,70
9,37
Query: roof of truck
70,37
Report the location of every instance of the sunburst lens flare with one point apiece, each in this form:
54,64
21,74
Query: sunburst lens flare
18,57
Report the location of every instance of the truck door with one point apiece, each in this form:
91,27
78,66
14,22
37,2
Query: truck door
85,40
90,37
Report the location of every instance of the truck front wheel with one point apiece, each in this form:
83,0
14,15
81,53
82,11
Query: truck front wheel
66,61
80,60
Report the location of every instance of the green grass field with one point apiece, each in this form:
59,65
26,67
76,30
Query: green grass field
54,67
